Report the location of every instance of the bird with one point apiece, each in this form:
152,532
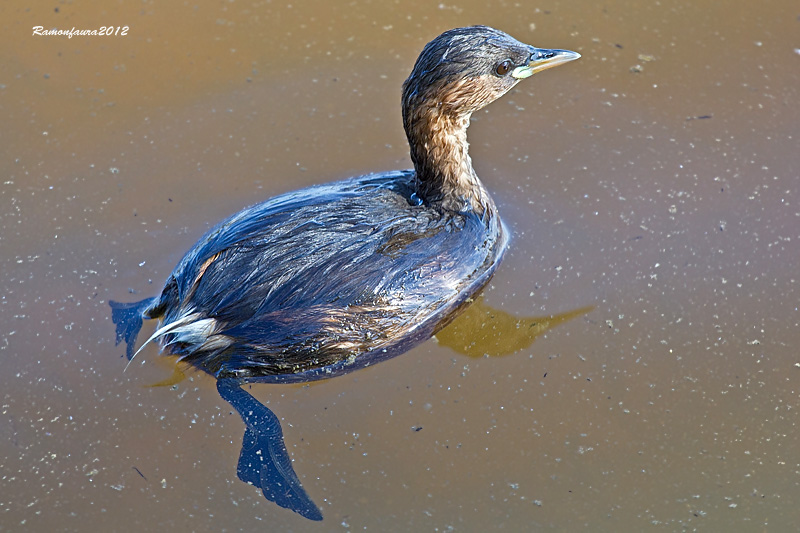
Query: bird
322,281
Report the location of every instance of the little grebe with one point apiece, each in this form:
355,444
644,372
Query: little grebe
323,281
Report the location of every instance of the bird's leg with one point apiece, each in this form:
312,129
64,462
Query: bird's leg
264,461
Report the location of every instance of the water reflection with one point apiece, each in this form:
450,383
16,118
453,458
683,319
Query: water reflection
498,332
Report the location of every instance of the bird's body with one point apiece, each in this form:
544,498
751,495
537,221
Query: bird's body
319,282
329,279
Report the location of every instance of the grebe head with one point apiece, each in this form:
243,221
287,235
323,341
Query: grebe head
459,72
465,69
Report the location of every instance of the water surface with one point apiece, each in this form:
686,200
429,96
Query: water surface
656,180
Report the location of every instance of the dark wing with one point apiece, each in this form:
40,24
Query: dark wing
266,237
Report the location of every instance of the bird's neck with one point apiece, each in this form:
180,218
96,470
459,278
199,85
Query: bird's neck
440,152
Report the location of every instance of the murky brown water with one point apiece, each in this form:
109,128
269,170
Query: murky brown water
656,179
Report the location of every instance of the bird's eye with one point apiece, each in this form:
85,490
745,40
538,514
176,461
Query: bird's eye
503,68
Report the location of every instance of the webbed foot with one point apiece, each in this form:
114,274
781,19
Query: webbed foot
264,461
128,318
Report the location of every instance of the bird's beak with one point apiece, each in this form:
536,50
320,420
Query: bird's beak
543,59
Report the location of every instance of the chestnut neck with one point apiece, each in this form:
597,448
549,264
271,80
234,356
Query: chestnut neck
437,137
